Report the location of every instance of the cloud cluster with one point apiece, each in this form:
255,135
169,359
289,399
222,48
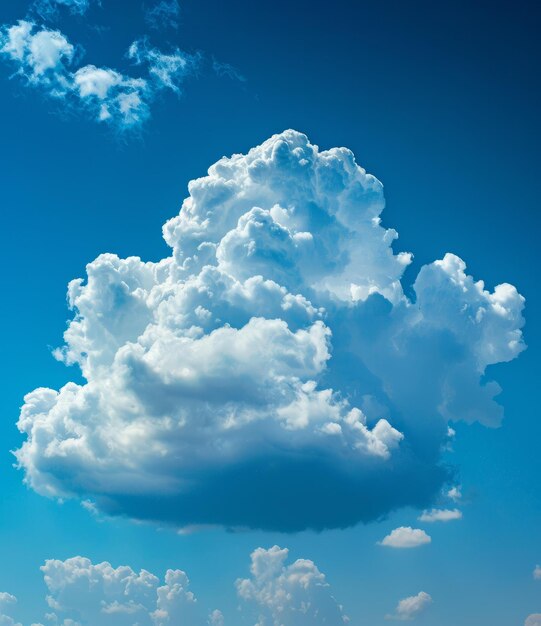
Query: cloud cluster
411,607
270,373
81,593
44,58
405,537
289,595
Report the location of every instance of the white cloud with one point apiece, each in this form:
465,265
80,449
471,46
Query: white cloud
81,592
455,493
273,355
440,515
101,594
409,608
533,620
7,601
43,58
167,70
537,572
405,537
289,595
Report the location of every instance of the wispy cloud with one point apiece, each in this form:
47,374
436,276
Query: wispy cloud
44,58
49,9
440,515
227,70
163,14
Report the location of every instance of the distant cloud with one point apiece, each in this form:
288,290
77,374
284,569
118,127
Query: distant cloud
533,620
163,14
272,357
455,493
81,592
48,9
406,537
410,608
43,58
167,70
6,603
537,572
225,69
289,595
440,515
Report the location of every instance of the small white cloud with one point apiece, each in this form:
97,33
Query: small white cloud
411,607
7,601
405,537
455,493
533,620
216,618
166,70
289,595
40,56
440,515
537,572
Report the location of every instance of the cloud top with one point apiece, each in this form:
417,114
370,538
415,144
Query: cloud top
406,537
290,595
271,372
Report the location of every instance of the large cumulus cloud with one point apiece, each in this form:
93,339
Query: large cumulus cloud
270,373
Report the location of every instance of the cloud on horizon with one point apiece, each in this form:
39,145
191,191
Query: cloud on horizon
81,592
270,373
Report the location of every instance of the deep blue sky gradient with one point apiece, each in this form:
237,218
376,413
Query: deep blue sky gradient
441,102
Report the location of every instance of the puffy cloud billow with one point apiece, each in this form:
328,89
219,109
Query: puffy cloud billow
289,595
270,373
411,607
81,593
44,58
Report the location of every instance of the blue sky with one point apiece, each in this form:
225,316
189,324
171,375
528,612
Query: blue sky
440,103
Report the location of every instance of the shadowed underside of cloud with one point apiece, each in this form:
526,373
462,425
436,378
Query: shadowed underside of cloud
81,593
271,373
